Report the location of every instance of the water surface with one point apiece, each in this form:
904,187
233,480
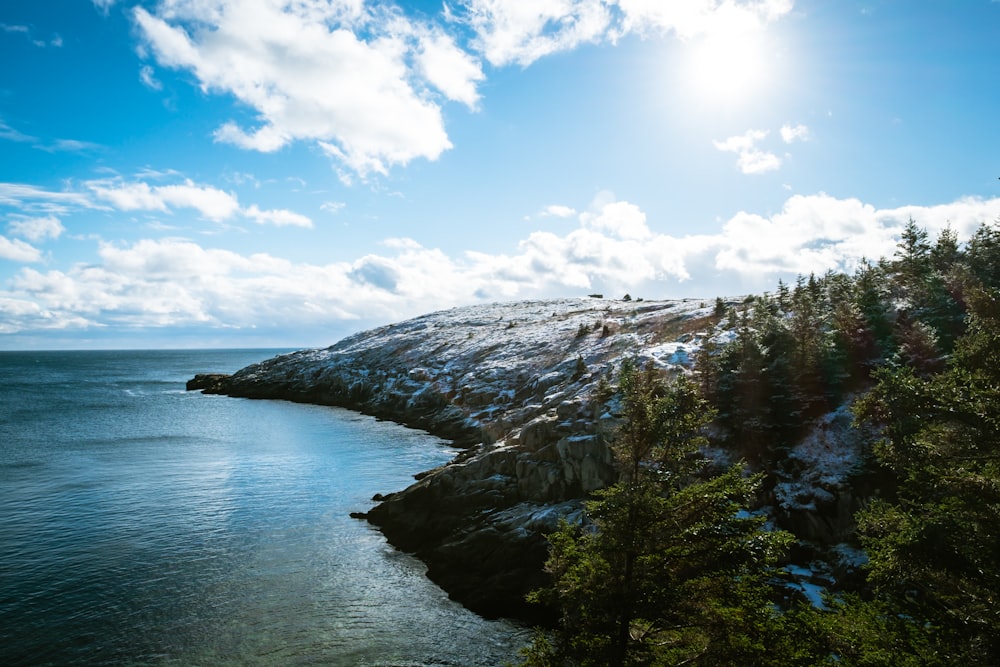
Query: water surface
143,524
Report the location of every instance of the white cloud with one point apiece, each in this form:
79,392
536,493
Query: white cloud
338,73
558,211
148,78
173,282
16,250
513,31
212,203
621,219
449,69
519,32
55,41
790,133
68,146
750,159
36,229
8,133
691,18
104,5
32,199
332,207
279,217
365,82
59,145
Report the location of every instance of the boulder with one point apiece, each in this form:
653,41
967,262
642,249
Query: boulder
208,383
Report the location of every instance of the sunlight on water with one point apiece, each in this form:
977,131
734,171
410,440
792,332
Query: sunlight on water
146,525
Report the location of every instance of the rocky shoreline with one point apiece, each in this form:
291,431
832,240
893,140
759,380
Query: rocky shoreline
519,388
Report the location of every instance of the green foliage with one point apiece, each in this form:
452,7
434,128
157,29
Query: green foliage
935,547
797,354
853,632
983,255
669,570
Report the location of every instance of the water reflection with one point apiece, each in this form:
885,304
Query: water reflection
155,526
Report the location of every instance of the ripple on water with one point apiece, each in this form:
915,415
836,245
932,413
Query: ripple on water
143,525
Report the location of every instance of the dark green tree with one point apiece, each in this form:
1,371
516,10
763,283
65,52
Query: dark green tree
934,548
983,255
671,569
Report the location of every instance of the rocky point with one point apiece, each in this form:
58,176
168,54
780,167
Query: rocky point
521,388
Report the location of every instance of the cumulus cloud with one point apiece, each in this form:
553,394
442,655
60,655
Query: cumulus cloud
790,133
614,249
517,32
211,202
279,217
448,68
366,82
621,219
116,193
18,251
750,158
36,229
354,78
509,31
558,211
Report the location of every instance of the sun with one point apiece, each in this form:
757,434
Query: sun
728,66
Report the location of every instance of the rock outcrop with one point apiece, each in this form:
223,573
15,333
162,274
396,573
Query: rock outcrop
207,382
511,384
519,387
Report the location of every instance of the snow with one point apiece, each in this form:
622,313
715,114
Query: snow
674,355
804,582
510,369
822,462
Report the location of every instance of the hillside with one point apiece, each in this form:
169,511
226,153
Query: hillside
526,390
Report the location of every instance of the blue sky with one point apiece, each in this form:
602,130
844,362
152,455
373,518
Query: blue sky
204,173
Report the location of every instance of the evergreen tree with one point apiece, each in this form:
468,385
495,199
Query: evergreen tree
983,255
934,549
671,571
921,279
946,252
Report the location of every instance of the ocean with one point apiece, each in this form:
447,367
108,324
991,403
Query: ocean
141,524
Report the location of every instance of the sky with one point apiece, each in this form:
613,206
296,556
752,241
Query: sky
282,173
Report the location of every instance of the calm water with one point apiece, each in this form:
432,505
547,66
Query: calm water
142,524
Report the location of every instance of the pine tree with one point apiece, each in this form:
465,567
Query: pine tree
983,255
934,548
670,570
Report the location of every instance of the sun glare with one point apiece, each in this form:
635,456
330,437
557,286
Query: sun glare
727,67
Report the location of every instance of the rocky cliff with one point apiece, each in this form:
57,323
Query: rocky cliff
518,387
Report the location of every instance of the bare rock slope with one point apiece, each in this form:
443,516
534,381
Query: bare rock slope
518,387
514,385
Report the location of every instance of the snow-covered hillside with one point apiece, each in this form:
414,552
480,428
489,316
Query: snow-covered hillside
516,386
